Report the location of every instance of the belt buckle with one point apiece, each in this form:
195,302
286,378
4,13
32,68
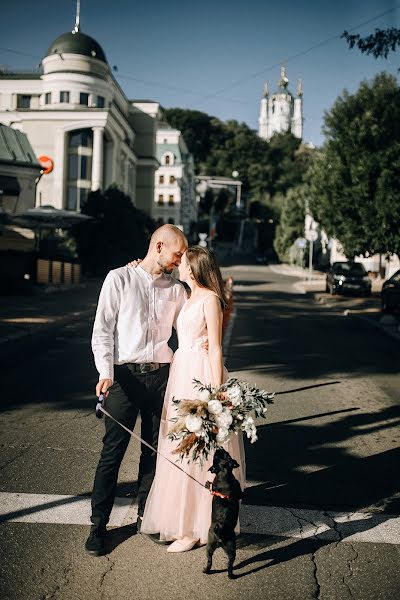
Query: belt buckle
146,367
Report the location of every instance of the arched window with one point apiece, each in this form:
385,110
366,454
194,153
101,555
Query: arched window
168,158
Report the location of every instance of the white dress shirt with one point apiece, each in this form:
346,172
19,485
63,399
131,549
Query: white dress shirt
134,319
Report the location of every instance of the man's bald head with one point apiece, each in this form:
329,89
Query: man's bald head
167,245
168,234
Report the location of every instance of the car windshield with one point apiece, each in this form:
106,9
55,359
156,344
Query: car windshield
353,269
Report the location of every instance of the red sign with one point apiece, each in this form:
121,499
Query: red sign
47,164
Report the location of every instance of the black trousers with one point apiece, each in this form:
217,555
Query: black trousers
130,394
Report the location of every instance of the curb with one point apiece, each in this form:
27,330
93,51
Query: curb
381,328
348,312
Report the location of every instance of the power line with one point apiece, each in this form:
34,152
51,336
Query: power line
301,53
234,83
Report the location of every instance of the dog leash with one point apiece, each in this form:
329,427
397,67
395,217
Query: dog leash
99,407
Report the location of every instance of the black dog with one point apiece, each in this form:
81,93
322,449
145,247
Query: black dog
225,509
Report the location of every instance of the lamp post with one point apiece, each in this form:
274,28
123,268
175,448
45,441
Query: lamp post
235,174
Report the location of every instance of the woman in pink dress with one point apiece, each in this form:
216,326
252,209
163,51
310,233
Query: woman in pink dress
178,508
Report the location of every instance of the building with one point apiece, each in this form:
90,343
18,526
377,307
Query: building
174,189
19,171
81,125
280,112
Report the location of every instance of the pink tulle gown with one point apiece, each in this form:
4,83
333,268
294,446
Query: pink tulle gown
177,506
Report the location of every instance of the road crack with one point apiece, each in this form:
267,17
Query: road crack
110,566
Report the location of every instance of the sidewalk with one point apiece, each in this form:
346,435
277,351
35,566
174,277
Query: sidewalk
23,316
368,309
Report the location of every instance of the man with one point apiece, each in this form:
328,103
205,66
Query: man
136,311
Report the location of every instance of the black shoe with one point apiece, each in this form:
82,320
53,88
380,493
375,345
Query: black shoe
138,524
95,544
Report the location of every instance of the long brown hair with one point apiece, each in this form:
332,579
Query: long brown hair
206,272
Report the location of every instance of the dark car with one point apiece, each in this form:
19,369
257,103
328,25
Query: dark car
348,277
390,294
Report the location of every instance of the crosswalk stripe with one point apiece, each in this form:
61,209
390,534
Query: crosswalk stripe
278,521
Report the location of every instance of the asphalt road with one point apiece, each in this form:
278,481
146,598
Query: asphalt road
321,514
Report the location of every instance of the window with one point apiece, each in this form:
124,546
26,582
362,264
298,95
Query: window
79,175
47,98
100,102
81,137
160,199
64,97
23,101
84,99
167,159
172,179
171,199
161,179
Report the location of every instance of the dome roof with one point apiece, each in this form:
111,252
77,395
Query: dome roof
77,43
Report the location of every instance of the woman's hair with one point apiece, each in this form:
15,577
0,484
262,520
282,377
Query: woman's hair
206,272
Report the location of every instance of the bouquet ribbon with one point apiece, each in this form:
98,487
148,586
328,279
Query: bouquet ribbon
107,414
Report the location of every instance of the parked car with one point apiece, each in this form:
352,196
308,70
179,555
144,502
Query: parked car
390,294
348,277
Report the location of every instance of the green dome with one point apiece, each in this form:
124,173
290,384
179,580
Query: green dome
77,43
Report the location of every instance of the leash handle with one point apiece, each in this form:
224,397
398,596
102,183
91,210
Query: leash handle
103,411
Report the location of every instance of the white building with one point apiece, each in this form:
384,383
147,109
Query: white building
81,125
280,112
174,189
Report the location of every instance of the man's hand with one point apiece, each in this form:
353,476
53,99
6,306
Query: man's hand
102,387
134,263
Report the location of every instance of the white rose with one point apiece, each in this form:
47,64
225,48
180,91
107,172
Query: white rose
193,423
234,394
203,395
248,421
215,407
224,420
222,435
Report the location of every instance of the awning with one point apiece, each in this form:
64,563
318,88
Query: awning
9,186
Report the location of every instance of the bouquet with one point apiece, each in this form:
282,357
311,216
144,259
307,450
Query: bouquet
205,424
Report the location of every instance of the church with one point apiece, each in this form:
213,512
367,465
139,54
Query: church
281,112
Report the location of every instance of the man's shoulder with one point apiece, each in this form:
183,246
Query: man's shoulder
122,275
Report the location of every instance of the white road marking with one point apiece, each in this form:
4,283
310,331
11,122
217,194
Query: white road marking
278,521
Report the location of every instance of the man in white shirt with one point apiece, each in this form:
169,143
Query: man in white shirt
136,311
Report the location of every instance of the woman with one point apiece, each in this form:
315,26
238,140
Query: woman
177,507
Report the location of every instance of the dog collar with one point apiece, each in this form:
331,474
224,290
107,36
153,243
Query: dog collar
219,495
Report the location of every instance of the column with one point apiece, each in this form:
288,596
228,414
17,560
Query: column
98,158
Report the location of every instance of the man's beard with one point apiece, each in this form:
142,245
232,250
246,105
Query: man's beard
167,270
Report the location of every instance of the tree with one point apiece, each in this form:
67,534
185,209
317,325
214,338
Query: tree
219,148
291,225
379,44
118,232
354,183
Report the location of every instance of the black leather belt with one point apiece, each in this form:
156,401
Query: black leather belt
147,367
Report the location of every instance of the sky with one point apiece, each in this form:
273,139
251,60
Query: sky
214,55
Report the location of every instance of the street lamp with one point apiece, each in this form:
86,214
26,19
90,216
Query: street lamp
235,174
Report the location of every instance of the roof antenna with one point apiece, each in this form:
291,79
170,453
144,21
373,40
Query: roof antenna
77,27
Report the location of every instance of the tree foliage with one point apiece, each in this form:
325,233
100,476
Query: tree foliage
355,188
379,43
118,232
219,148
291,225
